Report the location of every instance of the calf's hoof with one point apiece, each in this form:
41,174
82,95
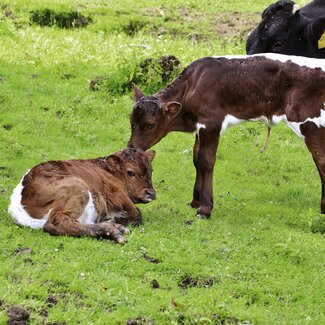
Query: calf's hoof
115,231
203,213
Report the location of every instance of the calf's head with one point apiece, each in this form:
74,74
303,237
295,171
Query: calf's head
151,119
133,167
284,29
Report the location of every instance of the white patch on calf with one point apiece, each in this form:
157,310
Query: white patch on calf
318,121
199,126
19,214
230,120
276,119
90,214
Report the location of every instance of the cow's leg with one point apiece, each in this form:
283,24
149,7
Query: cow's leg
198,180
209,139
61,224
315,141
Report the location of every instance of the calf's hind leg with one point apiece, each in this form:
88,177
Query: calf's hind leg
315,141
69,206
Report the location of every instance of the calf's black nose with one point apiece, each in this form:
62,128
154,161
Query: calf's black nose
151,194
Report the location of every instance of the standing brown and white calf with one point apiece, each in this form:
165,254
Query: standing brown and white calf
91,197
215,92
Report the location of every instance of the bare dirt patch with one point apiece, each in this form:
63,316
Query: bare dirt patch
188,281
233,24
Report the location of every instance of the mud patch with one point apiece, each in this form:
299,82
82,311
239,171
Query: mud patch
151,259
23,250
51,301
154,284
17,316
140,321
187,281
7,127
235,24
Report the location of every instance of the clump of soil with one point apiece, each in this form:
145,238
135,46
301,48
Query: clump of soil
187,281
65,19
17,316
154,284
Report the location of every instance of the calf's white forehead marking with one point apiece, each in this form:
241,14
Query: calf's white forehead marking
90,214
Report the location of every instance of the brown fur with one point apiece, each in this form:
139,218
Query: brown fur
211,88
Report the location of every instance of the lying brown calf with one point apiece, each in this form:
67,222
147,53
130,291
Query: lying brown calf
93,197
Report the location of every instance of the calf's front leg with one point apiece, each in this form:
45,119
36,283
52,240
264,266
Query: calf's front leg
209,140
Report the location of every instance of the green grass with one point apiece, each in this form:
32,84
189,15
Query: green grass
258,260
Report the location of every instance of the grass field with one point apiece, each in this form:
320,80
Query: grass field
260,259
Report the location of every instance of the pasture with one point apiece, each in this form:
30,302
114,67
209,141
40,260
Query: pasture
65,93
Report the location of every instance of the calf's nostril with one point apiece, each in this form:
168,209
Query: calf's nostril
151,194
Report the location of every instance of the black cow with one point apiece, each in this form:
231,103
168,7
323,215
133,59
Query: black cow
285,29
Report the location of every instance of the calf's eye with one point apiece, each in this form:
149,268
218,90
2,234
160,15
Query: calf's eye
150,126
131,173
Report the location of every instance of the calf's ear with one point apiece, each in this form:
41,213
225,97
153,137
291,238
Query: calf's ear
286,7
114,163
137,93
151,154
172,109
